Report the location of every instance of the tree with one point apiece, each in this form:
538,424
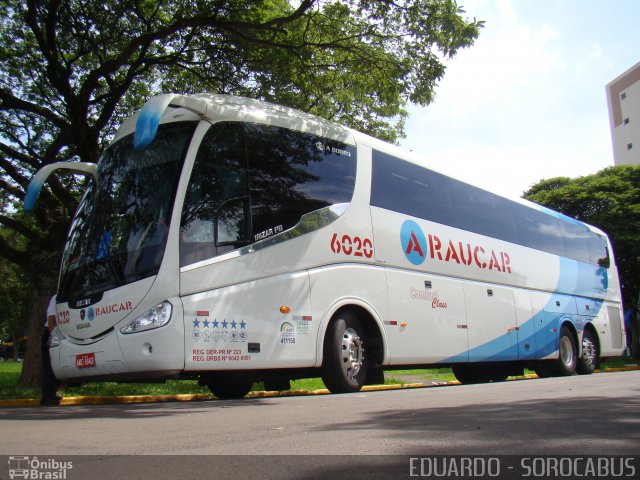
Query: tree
71,70
609,200
14,298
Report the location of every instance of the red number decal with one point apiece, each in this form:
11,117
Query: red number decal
355,246
335,245
347,246
368,248
358,242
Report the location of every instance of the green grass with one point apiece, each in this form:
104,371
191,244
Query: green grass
10,372
424,375
445,374
109,389
307,384
618,362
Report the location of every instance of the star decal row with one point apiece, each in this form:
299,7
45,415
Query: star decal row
216,324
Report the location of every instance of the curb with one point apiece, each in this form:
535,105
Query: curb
116,400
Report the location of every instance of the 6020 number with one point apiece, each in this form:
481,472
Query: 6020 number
356,246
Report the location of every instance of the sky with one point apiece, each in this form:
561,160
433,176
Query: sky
527,101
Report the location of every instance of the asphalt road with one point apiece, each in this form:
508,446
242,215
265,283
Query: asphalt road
581,415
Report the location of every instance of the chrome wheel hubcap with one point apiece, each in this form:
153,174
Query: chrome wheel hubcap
352,352
588,351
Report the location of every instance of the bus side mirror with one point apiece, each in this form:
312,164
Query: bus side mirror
36,183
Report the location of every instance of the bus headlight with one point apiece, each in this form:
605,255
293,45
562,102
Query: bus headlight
157,317
56,337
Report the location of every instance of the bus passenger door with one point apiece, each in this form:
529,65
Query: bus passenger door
428,318
492,325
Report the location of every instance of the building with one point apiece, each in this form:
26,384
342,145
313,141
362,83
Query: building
623,99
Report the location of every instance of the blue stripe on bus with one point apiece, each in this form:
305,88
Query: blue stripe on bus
585,280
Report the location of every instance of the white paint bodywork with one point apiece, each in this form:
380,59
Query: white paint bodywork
270,308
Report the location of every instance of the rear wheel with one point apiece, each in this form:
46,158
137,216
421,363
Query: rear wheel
344,368
588,361
567,360
568,354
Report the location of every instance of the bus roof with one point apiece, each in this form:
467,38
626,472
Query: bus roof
215,108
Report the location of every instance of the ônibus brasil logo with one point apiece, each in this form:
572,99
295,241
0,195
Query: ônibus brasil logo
414,243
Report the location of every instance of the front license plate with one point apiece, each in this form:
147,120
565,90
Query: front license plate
86,360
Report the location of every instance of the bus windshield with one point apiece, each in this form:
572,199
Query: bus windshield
120,229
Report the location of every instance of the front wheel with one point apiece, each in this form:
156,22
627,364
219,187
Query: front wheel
588,362
344,368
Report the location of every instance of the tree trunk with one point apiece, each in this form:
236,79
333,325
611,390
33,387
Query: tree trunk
31,376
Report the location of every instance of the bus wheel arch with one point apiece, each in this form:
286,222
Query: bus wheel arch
567,361
353,350
589,358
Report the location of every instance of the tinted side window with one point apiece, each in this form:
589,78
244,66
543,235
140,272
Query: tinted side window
539,230
413,190
576,241
598,251
293,173
216,196
252,181
407,188
474,207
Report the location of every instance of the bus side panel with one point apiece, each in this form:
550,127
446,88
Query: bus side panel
546,326
610,328
552,311
491,317
348,285
259,324
427,318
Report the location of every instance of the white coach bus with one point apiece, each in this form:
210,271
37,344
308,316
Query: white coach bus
235,241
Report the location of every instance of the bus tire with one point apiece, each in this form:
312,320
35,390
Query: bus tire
344,369
567,360
542,369
469,373
230,388
375,376
588,361
499,373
